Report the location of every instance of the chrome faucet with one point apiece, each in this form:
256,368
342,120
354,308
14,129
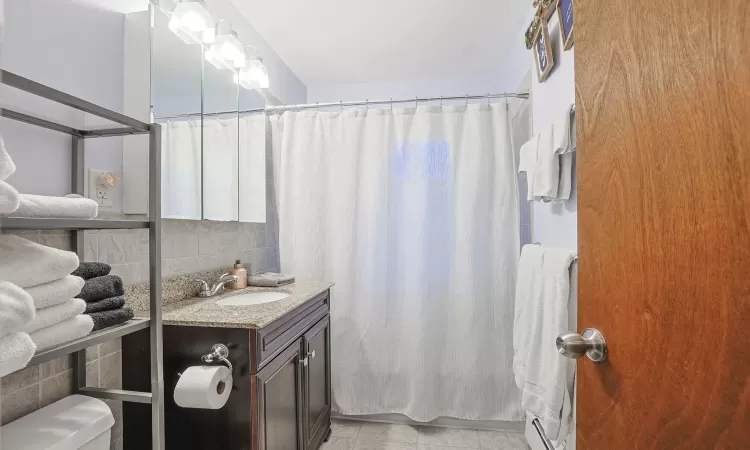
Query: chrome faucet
218,287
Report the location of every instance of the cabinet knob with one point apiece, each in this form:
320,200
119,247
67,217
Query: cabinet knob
311,354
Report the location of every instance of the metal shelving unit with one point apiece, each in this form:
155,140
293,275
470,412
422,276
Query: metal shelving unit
128,126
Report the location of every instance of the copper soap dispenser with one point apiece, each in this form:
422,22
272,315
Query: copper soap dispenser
241,273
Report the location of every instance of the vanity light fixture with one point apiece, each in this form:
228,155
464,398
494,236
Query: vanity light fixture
192,22
226,51
254,75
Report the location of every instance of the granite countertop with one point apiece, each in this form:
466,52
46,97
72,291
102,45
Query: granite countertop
204,312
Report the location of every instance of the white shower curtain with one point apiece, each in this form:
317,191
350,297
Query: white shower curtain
181,170
414,215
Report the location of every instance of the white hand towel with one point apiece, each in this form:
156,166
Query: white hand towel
56,292
27,264
527,162
16,308
68,330
547,167
16,350
10,199
566,178
564,134
68,207
55,314
6,163
542,296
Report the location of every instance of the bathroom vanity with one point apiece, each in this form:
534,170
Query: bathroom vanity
280,352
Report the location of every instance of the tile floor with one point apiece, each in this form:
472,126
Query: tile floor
353,435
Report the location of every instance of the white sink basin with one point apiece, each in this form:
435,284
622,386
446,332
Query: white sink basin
252,298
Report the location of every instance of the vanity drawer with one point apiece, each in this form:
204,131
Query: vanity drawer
274,338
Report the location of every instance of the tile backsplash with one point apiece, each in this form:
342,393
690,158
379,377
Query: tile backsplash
187,246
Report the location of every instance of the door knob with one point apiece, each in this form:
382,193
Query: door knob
591,344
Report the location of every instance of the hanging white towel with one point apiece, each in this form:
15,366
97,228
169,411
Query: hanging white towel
527,162
68,207
16,350
56,292
27,263
55,314
10,199
564,134
547,167
16,308
6,164
68,330
542,296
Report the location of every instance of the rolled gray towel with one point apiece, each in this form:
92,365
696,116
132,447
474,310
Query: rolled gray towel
102,287
105,319
89,270
106,304
270,279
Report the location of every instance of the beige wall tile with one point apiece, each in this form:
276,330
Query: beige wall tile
56,366
116,408
119,248
92,353
19,403
181,266
217,237
92,374
110,371
56,388
19,380
109,347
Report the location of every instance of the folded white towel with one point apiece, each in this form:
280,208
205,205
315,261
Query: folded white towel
6,164
527,162
56,292
68,207
16,350
55,314
68,330
16,308
27,263
547,167
566,178
10,199
542,296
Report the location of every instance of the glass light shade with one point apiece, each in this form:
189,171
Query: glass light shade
192,23
253,76
226,52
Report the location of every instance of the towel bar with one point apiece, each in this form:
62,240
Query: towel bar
540,431
575,259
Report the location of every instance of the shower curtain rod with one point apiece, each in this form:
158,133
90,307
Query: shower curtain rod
342,104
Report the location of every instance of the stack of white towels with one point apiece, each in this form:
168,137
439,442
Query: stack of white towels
38,308
547,160
545,290
13,204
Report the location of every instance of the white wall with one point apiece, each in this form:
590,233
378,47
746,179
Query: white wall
434,87
555,225
70,48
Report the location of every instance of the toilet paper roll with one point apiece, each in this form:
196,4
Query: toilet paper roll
202,387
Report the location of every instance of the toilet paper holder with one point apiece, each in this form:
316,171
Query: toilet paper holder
219,353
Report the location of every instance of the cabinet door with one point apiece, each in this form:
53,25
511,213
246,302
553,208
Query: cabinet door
279,401
317,411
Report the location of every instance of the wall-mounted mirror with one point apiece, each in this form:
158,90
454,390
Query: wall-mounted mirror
176,84
214,161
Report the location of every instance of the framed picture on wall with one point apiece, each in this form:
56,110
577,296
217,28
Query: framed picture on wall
543,52
565,16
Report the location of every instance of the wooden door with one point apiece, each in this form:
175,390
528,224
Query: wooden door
317,384
278,402
663,104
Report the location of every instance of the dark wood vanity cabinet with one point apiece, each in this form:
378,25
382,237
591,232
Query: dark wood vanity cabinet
281,394
293,394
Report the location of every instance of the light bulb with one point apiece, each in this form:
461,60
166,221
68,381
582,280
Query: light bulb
253,76
192,23
226,52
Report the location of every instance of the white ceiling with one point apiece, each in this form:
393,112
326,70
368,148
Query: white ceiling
353,41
